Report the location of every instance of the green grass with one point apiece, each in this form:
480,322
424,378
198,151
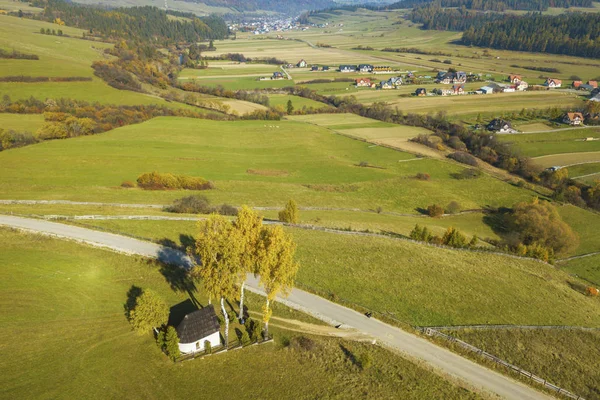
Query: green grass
417,284
585,224
587,173
541,144
20,122
567,159
322,168
586,267
243,82
298,102
565,358
68,299
229,68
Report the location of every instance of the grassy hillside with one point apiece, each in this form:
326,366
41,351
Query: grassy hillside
586,267
68,300
565,358
253,162
416,284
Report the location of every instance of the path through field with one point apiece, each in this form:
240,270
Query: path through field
412,346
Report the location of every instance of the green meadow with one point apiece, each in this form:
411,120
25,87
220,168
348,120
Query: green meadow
260,163
563,358
68,299
20,122
557,142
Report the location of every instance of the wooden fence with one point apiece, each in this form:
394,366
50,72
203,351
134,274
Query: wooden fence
234,344
492,327
527,374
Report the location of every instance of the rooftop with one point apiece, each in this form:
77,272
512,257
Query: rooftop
198,325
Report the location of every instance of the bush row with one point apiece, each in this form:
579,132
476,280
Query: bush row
29,79
199,205
165,181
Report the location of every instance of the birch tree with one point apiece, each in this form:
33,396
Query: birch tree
277,267
249,225
219,248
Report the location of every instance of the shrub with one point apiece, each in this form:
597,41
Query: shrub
127,184
592,291
157,181
191,205
290,213
365,361
435,211
207,347
245,339
302,343
453,207
422,176
421,234
463,157
226,209
469,173
454,238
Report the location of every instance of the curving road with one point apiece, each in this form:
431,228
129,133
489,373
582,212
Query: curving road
412,346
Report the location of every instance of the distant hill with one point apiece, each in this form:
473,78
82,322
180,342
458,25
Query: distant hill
280,6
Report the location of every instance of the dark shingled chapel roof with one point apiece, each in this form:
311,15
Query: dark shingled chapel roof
198,325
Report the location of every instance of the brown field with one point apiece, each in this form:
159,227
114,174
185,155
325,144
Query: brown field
567,159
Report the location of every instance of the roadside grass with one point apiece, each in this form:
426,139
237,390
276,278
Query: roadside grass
21,122
567,358
322,168
68,300
414,283
586,267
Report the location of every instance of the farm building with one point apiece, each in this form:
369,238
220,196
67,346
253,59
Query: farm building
586,87
347,68
487,90
301,64
198,327
421,92
392,83
514,79
380,68
553,83
325,68
522,86
314,68
277,75
501,126
362,82
573,118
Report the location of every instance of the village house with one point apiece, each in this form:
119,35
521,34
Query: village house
314,68
347,68
199,327
500,125
277,75
576,84
442,92
362,82
509,89
586,87
392,83
458,89
301,64
514,79
486,90
451,77
573,118
325,68
594,84
553,83
522,86
365,68
421,92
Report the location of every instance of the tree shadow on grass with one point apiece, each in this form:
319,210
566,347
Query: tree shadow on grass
349,355
132,297
180,281
498,220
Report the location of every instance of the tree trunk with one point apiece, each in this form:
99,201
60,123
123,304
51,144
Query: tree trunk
267,320
226,322
209,299
242,304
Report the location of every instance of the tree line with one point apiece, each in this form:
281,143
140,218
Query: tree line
139,23
576,34
17,55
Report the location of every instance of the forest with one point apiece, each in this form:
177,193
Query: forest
143,23
494,5
433,17
576,34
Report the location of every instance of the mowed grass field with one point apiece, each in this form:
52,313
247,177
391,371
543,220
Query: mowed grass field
556,142
297,102
565,358
20,122
315,167
413,283
68,300
586,267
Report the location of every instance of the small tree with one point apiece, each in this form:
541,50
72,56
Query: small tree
207,347
290,213
453,207
435,211
171,343
290,107
416,233
245,339
454,238
474,241
149,313
276,265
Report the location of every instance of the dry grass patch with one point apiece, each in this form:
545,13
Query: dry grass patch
267,172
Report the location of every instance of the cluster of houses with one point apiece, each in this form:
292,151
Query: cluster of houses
392,83
589,85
